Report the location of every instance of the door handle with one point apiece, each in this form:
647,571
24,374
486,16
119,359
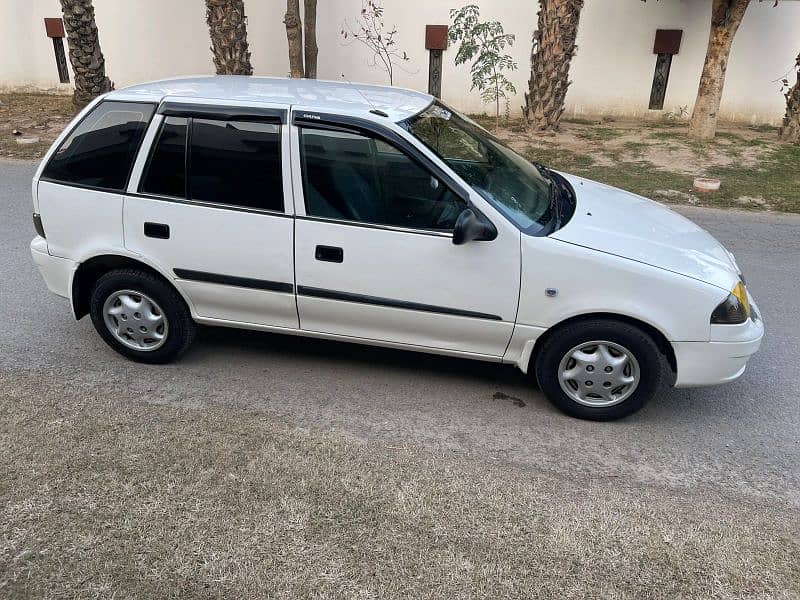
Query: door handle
156,230
329,254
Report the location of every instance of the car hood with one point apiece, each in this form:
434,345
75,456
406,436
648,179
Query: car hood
616,222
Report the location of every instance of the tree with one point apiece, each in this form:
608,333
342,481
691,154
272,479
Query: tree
726,16
85,54
790,128
311,50
300,65
227,25
551,55
369,29
484,42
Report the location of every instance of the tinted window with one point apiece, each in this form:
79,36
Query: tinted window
166,168
101,149
237,163
358,178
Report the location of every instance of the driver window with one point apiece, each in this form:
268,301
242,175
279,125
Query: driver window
354,177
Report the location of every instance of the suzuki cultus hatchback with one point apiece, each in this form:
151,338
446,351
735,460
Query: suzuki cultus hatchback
380,216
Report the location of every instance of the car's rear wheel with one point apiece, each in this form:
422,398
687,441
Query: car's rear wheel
600,369
141,316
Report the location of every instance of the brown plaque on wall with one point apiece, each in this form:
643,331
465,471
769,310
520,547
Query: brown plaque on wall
436,37
54,28
668,41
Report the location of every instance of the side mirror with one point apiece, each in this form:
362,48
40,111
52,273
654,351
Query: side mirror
471,227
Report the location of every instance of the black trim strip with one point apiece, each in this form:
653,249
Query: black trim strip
447,234
217,205
222,113
243,282
388,302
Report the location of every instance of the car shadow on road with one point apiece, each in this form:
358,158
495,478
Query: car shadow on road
336,355
502,383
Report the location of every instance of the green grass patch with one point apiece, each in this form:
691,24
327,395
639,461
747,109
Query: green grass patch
598,134
635,149
776,178
579,121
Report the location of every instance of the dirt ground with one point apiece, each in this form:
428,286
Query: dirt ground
41,116
659,161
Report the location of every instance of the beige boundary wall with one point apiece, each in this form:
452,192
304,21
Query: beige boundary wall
612,73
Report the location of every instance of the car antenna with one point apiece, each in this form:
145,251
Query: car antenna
374,110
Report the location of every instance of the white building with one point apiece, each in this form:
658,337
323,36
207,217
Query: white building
612,72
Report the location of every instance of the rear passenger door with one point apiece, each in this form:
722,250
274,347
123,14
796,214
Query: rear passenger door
210,205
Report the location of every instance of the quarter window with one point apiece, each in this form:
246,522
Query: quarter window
100,151
355,177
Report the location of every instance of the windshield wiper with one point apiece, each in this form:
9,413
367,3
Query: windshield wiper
555,192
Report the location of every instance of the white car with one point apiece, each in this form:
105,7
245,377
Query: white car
380,216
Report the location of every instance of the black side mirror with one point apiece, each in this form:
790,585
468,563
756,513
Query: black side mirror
471,227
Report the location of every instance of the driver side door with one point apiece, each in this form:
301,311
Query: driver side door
374,251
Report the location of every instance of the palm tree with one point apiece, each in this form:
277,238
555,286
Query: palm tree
85,54
552,52
227,25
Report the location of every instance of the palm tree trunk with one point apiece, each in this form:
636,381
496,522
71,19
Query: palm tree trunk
552,52
85,54
294,35
227,25
790,128
310,26
726,15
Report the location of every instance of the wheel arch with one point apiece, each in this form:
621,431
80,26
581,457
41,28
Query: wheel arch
91,269
658,336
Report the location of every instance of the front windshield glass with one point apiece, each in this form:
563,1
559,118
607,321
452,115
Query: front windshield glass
512,184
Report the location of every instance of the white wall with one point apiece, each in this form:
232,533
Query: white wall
612,72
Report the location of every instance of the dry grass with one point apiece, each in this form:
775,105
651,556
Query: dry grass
34,115
108,495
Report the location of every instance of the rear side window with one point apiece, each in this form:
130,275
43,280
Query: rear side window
100,151
237,163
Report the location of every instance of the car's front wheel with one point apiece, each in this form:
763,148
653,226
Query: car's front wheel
600,369
141,316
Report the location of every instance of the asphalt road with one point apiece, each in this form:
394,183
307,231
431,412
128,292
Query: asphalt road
742,438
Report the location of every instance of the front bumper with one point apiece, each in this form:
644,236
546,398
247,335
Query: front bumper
57,272
722,359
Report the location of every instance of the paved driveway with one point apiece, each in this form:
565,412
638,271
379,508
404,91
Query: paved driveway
743,437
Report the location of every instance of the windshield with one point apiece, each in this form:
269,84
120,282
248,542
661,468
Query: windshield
513,185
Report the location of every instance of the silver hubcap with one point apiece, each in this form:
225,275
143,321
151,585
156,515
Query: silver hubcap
599,373
135,320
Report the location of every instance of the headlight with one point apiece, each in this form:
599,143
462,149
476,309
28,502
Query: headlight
734,309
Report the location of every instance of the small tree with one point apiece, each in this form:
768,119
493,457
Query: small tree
790,128
484,42
369,29
227,25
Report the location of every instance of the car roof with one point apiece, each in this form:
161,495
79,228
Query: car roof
334,96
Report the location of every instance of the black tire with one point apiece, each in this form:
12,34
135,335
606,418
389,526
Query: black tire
181,328
635,340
